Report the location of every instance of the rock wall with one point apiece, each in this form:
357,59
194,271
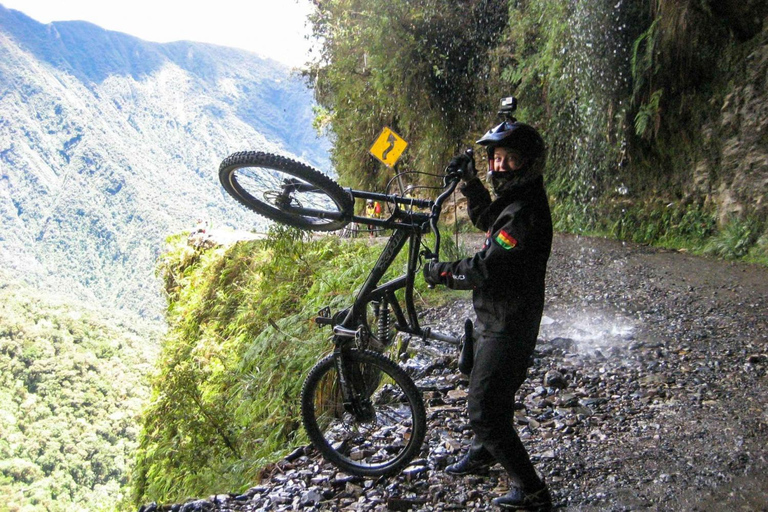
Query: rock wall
734,175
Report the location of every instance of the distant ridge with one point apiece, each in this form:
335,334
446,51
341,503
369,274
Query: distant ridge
109,143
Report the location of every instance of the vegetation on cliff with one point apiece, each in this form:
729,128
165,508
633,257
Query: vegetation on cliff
651,108
72,384
225,397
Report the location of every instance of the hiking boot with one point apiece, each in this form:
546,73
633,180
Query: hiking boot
517,499
475,462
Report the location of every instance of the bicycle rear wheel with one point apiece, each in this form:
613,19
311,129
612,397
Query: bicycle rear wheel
286,191
387,438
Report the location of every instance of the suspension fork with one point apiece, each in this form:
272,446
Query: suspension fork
355,390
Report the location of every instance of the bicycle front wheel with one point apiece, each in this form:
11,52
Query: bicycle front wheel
286,191
380,442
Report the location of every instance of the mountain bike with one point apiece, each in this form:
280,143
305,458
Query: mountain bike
360,409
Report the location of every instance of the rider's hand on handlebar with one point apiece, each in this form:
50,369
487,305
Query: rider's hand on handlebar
464,166
433,273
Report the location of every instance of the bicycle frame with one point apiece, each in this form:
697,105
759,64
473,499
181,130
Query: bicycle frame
409,226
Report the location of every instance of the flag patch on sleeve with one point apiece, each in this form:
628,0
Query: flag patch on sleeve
505,240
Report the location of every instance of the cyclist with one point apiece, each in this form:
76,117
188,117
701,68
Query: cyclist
377,211
507,279
370,211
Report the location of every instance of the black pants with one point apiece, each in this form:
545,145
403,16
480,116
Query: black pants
500,368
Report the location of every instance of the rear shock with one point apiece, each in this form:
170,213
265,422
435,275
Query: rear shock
383,323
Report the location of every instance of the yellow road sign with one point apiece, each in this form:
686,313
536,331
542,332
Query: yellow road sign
388,147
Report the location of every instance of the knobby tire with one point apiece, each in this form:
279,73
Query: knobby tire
255,179
382,446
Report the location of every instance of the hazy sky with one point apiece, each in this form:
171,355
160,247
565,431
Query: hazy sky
271,28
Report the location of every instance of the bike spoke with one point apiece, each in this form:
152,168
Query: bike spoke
385,438
287,194
286,191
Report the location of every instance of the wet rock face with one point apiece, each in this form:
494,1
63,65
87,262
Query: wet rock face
740,185
647,391
743,17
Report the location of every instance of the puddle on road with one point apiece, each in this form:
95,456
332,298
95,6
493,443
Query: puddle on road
590,331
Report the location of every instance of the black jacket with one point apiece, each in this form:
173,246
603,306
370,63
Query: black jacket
507,274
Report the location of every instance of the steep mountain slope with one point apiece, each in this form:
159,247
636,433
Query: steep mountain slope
109,143
71,390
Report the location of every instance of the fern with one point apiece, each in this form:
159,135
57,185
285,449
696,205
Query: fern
736,239
648,118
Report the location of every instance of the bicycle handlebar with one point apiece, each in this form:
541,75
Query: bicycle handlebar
451,180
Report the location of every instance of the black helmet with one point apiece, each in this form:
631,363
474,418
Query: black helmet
514,135
519,137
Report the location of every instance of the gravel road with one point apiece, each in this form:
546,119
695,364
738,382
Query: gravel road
648,392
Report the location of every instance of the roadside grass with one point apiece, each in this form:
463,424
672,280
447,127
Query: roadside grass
670,225
241,339
225,391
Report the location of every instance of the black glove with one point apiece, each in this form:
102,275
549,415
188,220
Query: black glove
464,165
433,273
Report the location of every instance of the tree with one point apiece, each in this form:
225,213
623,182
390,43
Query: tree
420,67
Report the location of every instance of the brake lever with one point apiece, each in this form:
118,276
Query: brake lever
427,255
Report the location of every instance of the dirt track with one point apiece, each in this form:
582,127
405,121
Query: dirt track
694,365
648,392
